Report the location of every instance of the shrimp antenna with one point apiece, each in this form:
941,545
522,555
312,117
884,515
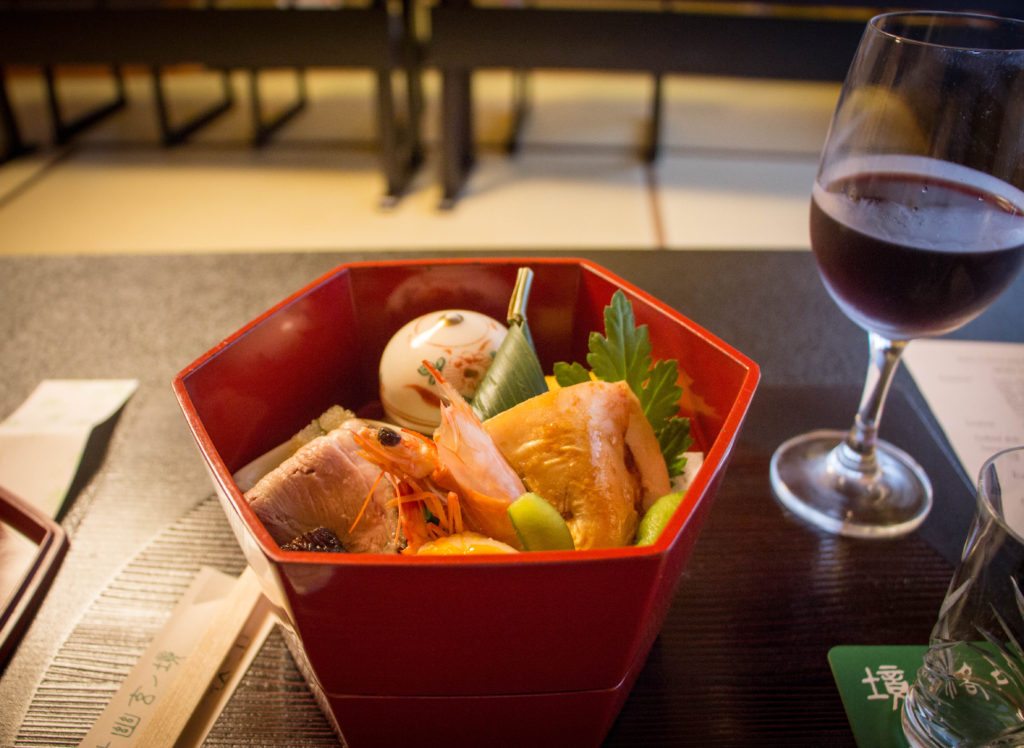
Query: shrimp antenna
440,380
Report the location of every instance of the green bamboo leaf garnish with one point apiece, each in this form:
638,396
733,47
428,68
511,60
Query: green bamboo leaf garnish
623,353
515,375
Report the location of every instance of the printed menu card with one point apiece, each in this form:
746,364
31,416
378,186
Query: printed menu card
976,391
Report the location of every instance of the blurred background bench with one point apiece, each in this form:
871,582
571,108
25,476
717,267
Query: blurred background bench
373,36
789,39
786,39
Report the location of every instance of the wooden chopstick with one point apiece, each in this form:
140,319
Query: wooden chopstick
164,726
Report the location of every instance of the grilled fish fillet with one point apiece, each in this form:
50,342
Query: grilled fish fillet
590,451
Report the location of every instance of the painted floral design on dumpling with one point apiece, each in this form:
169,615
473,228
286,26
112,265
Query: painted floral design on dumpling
461,344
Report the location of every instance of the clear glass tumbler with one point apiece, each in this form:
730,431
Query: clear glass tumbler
969,691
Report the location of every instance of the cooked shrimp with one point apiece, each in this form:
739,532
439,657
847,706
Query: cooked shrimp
408,460
402,452
460,476
474,467
589,451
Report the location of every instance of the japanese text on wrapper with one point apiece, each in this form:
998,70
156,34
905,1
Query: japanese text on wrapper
144,695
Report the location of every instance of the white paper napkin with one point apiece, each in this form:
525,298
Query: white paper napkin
43,441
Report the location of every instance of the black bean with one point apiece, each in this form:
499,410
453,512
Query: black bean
320,539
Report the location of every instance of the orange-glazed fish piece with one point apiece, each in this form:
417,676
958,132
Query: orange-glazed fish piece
589,450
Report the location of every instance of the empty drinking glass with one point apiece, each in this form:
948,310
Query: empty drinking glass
970,690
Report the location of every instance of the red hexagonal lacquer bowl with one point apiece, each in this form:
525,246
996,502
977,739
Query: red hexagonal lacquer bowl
526,649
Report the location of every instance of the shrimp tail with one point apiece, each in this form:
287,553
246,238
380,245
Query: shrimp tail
488,515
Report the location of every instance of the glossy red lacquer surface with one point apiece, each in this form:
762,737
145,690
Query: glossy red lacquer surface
19,601
391,626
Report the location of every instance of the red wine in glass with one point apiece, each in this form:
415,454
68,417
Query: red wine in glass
911,246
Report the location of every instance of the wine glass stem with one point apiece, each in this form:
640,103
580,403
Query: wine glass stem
857,453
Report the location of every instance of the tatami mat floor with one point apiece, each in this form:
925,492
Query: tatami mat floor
735,170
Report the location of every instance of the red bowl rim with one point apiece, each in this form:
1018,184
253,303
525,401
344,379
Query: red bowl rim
714,458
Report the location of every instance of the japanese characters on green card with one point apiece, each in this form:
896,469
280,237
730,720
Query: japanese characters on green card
873,682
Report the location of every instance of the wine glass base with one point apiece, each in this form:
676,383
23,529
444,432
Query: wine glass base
808,480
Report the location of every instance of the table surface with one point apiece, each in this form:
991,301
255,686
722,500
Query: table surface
743,653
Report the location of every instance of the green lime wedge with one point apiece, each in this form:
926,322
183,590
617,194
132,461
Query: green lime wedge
657,517
539,525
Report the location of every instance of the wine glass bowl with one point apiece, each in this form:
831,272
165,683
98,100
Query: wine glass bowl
917,225
911,246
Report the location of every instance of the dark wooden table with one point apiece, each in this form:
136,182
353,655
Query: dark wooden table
742,657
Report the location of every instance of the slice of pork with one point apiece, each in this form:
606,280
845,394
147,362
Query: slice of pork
324,484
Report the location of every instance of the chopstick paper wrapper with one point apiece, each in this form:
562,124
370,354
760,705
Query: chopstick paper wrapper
43,443
184,679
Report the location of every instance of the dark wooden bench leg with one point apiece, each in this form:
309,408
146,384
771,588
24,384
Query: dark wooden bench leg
263,129
400,143
653,145
13,145
457,155
413,67
401,148
520,110
64,130
414,126
395,172
172,134
468,146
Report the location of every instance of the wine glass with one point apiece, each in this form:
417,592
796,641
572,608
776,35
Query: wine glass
917,225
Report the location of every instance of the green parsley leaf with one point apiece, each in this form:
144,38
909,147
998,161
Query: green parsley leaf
626,351
674,440
569,374
661,393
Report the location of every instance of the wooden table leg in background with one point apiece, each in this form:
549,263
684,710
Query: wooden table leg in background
457,154
11,145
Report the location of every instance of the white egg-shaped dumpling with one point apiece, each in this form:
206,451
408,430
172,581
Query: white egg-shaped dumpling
459,343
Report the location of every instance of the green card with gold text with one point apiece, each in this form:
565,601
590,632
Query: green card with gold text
873,681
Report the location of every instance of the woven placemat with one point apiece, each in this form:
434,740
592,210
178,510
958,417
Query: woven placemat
272,705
